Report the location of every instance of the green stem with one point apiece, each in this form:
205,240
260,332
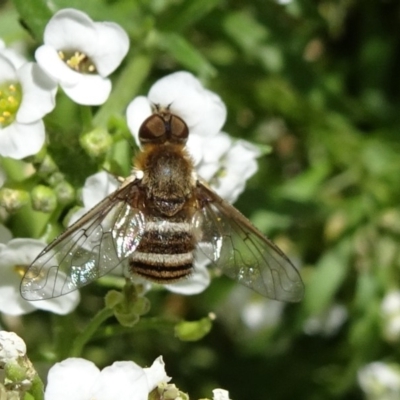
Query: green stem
89,331
126,87
86,118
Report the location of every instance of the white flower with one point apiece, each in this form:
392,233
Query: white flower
390,311
26,95
202,110
79,379
100,185
225,164
220,394
12,347
79,54
95,189
380,381
328,322
15,256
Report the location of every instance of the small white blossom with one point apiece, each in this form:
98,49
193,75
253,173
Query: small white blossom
15,257
202,110
12,347
328,322
100,185
380,381
390,311
224,163
79,379
220,394
79,54
26,95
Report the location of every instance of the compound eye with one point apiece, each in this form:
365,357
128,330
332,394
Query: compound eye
179,129
152,129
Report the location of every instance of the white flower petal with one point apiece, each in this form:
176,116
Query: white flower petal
21,252
220,394
61,305
71,379
203,111
156,373
49,60
124,380
11,302
214,148
12,54
391,303
138,110
7,71
90,90
39,93
235,173
21,140
70,29
380,380
97,187
112,47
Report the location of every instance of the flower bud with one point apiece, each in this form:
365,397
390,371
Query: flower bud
97,142
19,373
193,330
47,166
43,199
12,199
65,193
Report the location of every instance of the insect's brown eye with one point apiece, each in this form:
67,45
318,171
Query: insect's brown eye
152,129
179,129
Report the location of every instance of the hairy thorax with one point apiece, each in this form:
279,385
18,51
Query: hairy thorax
167,177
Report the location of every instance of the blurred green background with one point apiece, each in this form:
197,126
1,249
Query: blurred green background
319,82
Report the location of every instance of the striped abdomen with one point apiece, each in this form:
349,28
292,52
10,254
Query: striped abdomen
165,252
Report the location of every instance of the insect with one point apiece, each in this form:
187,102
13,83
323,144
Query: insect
157,222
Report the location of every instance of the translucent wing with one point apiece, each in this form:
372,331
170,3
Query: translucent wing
90,248
242,252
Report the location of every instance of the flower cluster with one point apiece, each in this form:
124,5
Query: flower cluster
77,378
379,380
80,67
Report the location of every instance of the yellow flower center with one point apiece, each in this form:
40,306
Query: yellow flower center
20,269
78,61
10,100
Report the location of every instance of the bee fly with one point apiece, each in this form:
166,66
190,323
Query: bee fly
159,220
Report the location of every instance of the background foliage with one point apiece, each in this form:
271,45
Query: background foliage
317,80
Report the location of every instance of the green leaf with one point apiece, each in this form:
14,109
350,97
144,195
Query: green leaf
326,278
34,15
246,31
188,13
186,54
305,186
